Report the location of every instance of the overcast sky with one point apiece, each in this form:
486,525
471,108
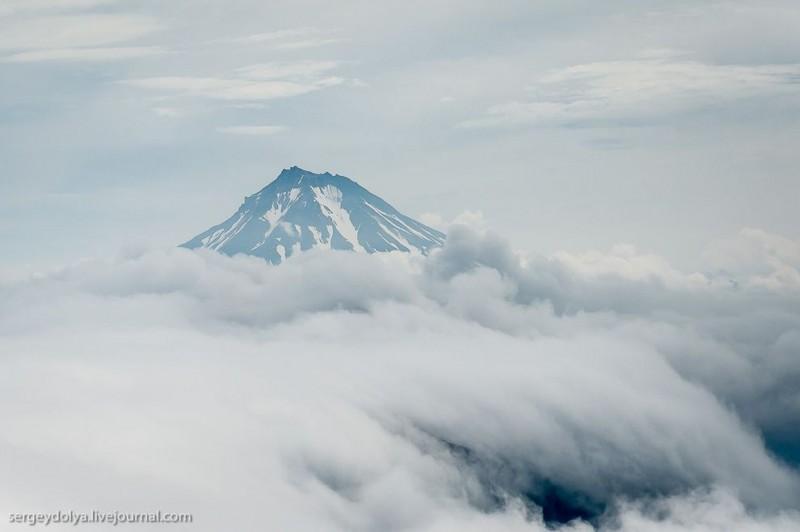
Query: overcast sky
632,148
570,125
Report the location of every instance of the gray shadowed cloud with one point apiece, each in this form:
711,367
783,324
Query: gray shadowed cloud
473,389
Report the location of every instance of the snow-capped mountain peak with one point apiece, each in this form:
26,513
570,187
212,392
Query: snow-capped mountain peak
301,210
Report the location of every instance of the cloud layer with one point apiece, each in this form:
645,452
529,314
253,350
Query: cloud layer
471,390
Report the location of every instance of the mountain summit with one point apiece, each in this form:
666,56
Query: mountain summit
302,210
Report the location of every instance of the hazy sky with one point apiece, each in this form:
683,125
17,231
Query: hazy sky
570,125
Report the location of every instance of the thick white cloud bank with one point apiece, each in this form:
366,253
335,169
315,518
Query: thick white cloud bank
470,390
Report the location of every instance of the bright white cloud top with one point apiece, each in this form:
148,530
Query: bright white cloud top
344,391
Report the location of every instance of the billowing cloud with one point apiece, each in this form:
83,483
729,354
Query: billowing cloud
470,390
765,259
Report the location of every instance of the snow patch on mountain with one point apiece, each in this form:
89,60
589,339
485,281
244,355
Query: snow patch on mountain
302,210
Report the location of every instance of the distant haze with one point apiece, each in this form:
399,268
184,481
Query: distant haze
569,125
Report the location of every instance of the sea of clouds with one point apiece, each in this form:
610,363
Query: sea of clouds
473,389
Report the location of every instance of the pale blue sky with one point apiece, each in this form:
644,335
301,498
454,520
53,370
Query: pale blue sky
569,124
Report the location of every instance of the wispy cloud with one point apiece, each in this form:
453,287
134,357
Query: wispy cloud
74,31
167,112
251,130
73,37
225,89
289,39
9,7
84,54
655,84
287,70
308,43
273,35
255,82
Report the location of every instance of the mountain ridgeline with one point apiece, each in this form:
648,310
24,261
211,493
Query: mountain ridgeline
301,210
